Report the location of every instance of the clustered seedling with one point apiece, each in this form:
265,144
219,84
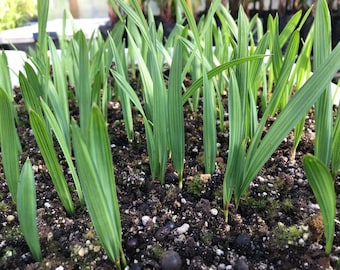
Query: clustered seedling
242,60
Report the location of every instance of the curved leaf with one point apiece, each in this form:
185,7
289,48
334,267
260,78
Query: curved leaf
322,184
27,209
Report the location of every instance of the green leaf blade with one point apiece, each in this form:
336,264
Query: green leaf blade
48,152
176,117
63,145
209,125
323,106
9,143
26,207
322,185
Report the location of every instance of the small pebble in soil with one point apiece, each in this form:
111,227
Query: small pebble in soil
47,205
27,257
313,206
301,182
170,225
162,233
214,211
96,248
261,179
82,252
205,177
10,218
270,185
146,220
221,266
337,250
301,242
183,229
180,238
131,244
219,252
170,260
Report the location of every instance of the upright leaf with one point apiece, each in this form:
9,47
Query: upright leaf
45,143
323,106
322,184
209,125
52,121
59,100
336,147
121,66
9,143
176,117
83,83
5,79
27,209
235,165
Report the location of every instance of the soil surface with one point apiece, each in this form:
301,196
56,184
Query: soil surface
277,225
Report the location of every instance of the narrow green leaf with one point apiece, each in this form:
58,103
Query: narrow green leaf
160,116
241,70
227,21
119,58
59,101
144,75
290,28
322,185
40,57
9,143
48,152
336,148
276,59
209,21
303,71
209,125
43,6
83,83
135,14
323,106
31,98
63,145
256,66
280,100
5,79
215,71
100,151
234,171
192,23
176,117
33,80
27,210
